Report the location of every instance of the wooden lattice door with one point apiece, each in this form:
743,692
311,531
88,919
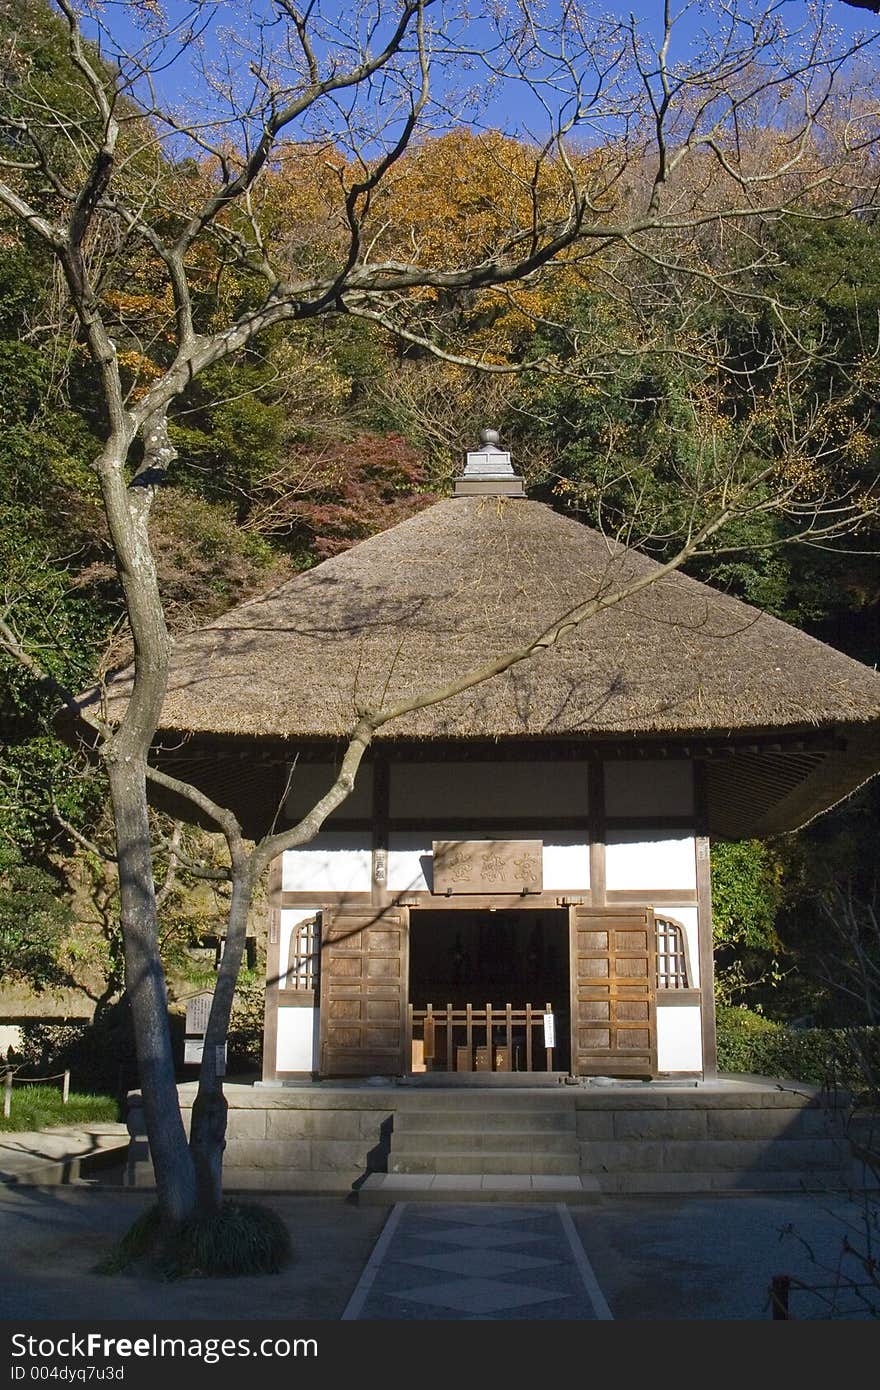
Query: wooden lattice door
613,994
364,971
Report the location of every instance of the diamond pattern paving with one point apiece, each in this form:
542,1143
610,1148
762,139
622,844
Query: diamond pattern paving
486,1263
454,1261
482,1216
478,1239
477,1296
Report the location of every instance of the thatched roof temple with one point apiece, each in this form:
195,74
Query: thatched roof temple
786,725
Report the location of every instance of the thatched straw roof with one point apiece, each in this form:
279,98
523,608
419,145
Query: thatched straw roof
429,599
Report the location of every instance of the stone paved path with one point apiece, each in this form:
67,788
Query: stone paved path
478,1262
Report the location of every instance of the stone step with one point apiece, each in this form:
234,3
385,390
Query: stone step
480,1097
509,1141
68,1154
384,1189
472,1162
498,1121
508,1081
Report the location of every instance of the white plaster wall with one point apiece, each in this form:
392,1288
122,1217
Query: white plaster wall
689,918
10,1036
679,1038
640,859
488,789
566,861
310,781
295,1049
653,787
334,862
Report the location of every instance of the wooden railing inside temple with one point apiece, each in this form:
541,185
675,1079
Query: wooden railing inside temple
498,1038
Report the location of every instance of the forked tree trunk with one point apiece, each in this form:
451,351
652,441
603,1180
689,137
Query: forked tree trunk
145,986
209,1115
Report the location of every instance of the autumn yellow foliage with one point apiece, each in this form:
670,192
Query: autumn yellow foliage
456,200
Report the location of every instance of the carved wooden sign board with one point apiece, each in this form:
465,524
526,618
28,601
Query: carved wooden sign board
197,1010
488,866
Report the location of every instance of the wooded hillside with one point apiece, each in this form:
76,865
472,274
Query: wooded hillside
629,387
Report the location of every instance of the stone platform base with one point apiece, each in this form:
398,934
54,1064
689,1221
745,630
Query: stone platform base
746,1134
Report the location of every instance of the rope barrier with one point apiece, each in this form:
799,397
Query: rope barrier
11,1077
35,1080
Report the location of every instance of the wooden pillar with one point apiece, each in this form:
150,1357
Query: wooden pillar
704,925
273,969
596,788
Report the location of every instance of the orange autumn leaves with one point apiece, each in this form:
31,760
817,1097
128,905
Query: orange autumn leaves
450,203
456,201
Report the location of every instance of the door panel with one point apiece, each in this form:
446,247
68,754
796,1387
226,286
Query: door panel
364,968
613,1001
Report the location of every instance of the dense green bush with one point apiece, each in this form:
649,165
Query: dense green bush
245,1035
100,1056
748,1042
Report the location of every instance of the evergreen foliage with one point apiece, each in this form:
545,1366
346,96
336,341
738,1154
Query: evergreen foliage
751,1044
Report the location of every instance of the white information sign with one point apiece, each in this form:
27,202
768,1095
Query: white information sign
549,1030
193,1049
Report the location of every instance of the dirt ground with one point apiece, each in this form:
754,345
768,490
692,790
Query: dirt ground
681,1258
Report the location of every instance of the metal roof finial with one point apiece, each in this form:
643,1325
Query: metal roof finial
488,470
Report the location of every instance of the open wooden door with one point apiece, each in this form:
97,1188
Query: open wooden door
613,993
364,973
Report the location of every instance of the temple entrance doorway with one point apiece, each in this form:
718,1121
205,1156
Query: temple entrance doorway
489,990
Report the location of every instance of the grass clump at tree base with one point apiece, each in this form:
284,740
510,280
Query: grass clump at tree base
242,1238
37,1107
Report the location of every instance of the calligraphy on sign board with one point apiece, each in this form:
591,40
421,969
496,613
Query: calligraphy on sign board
488,866
198,1007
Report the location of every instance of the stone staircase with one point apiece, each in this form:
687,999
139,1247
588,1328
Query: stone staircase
474,1134
624,1139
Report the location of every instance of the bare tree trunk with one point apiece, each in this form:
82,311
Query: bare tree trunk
208,1128
145,986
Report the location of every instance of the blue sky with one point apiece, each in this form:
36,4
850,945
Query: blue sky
176,83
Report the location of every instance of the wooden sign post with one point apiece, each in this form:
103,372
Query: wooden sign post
549,1037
